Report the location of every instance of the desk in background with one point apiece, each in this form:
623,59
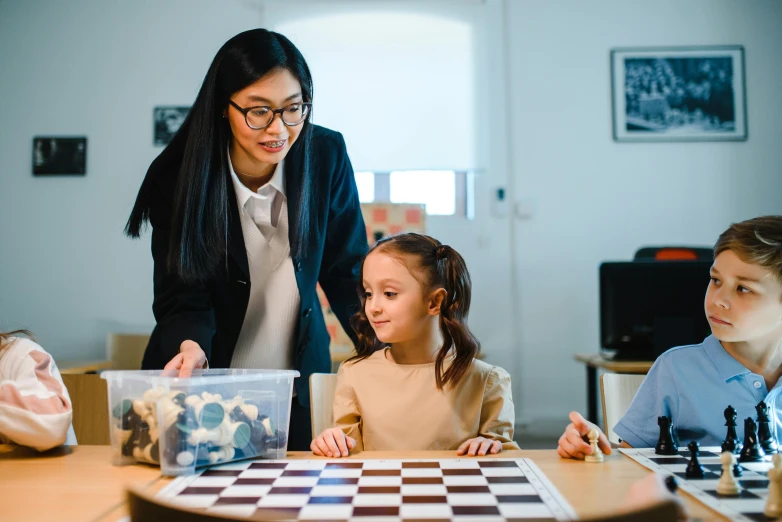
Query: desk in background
593,361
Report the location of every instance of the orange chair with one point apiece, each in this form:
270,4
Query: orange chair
674,253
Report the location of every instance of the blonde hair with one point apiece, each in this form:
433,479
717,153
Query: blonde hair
757,241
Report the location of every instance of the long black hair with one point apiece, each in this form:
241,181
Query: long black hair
198,156
435,266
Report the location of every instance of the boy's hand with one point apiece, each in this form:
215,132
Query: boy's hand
332,443
479,446
190,357
573,444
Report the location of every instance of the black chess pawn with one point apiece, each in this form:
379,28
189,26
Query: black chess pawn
752,451
694,468
731,442
766,439
665,444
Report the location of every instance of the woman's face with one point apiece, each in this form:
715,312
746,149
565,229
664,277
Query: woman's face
268,146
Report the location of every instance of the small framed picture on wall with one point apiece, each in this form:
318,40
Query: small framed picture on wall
679,93
59,156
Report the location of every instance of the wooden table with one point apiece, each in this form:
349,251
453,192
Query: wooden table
593,361
82,366
79,483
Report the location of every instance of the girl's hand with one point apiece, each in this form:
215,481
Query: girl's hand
479,446
189,358
332,443
573,444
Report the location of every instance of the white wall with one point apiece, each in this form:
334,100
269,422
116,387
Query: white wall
68,273
597,199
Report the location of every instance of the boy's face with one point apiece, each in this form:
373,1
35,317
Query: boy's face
743,301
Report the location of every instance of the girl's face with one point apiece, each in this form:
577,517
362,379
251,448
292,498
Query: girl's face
270,145
395,303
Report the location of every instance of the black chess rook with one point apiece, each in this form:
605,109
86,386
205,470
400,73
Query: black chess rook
666,445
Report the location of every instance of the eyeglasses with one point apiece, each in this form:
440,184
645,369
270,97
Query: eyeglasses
261,117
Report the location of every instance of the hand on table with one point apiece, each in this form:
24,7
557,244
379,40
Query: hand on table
573,444
479,446
332,443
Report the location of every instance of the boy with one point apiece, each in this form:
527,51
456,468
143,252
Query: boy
740,364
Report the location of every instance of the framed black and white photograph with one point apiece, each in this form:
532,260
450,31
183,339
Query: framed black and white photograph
167,123
59,156
679,94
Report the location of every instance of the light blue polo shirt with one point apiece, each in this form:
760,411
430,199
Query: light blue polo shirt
693,385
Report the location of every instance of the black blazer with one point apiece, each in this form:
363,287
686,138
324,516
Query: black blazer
212,314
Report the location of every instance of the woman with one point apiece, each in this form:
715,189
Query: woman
251,205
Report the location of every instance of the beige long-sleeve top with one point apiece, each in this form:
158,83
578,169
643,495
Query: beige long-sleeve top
397,407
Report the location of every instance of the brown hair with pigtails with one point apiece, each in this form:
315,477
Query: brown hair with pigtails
435,266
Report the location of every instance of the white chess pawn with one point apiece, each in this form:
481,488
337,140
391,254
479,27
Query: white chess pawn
774,502
727,485
597,455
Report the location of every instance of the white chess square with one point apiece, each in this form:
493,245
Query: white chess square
424,489
676,468
382,464
295,500
374,519
502,472
325,512
213,482
377,500
525,510
479,518
245,491
425,511
512,489
472,499
459,464
465,480
346,490
341,473
380,481
422,472
261,473
295,482
234,510
306,464
195,501
242,464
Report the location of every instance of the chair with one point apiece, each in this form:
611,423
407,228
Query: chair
322,388
617,391
673,253
90,399
125,351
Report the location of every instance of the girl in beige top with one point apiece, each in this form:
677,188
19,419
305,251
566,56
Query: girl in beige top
415,383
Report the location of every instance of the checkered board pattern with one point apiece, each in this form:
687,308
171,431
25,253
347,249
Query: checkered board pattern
491,490
747,506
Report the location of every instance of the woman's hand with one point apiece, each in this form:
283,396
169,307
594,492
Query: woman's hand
573,443
479,446
332,443
190,357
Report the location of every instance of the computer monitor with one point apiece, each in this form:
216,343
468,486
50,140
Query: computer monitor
647,307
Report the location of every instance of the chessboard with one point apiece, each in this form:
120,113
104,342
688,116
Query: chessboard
748,506
394,489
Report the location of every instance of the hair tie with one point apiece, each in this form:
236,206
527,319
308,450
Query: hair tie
441,252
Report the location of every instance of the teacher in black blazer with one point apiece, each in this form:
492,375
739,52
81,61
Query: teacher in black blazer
251,205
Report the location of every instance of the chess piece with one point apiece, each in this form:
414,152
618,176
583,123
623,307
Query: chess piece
773,507
728,486
765,438
665,444
731,442
597,455
752,451
694,468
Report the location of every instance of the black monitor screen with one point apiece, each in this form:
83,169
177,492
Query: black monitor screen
649,307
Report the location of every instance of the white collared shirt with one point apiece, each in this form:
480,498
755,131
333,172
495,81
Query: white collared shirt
264,205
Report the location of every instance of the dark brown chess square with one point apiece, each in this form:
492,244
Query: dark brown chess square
289,491
498,464
518,499
475,510
421,465
330,500
381,472
301,473
344,465
222,473
468,489
337,481
195,490
229,501
268,465
507,480
379,490
254,482
373,511
422,480
460,472
424,499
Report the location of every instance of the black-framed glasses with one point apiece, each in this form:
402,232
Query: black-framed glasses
261,117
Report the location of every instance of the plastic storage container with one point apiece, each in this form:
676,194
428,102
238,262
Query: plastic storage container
214,416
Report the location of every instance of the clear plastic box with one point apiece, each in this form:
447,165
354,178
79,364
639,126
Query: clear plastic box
212,417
